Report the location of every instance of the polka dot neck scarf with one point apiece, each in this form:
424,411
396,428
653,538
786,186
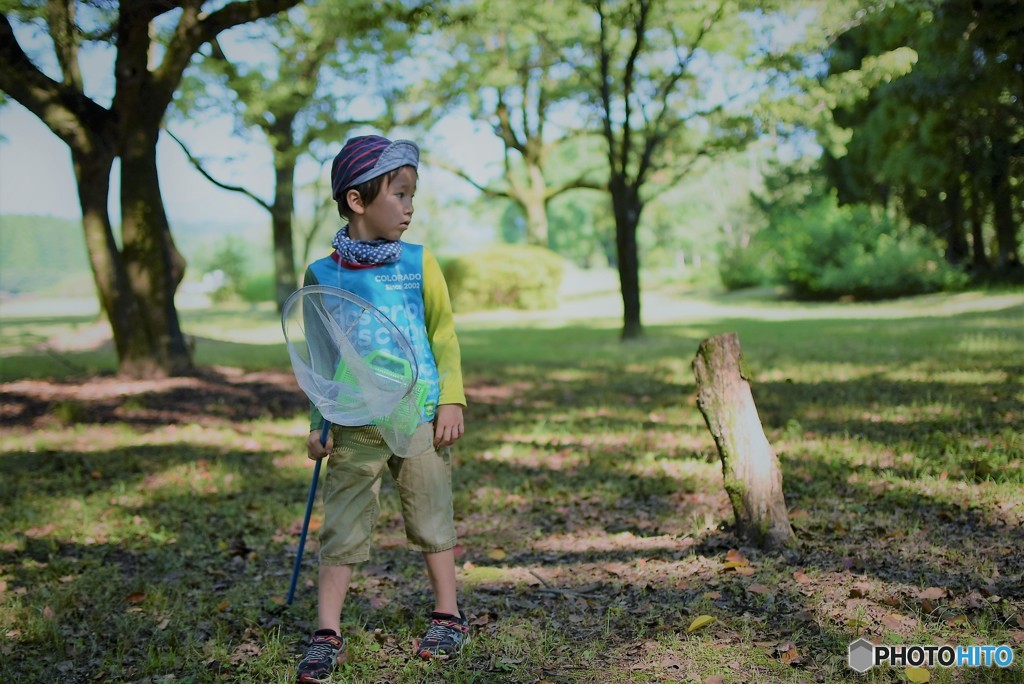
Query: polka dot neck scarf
376,252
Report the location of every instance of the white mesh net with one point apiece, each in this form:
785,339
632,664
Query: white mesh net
354,364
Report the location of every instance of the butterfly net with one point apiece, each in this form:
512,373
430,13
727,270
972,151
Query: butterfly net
355,365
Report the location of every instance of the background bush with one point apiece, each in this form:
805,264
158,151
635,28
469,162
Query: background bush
742,266
257,288
505,277
828,251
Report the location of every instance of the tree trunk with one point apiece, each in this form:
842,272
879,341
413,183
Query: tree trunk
536,209
956,238
1007,242
627,206
979,261
281,212
753,478
92,175
153,264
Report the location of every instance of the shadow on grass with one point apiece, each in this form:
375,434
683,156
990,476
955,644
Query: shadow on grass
141,550
210,560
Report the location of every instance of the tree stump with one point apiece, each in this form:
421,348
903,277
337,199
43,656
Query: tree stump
753,479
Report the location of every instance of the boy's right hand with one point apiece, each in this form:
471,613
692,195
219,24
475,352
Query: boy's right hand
314,449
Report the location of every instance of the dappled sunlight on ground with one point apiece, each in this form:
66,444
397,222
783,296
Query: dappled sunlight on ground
593,526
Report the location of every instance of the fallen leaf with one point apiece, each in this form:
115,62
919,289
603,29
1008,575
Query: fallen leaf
893,621
162,625
714,679
1017,637
933,593
135,597
801,577
244,652
734,564
790,656
917,674
223,605
277,600
713,595
734,556
746,571
378,602
48,613
758,588
958,621
700,621
497,554
976,600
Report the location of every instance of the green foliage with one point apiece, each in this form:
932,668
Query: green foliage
257,288
828,251
505,276
924,98
229,261
743,265
39,253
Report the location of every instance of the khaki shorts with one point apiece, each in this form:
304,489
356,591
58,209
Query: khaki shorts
352,489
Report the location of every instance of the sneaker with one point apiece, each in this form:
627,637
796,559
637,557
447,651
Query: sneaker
446,636
326,651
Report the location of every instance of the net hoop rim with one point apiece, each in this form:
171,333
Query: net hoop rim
352,297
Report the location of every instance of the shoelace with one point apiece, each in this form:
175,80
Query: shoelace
439,630
320,651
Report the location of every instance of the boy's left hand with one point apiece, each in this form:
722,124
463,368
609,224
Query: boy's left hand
448,425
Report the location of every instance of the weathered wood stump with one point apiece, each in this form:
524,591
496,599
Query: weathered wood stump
753,479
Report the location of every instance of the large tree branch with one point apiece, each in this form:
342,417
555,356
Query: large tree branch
657,132
604,62
195,28
60,17
65,110
579,183
639,33
504,128
197,164
451,168
680,173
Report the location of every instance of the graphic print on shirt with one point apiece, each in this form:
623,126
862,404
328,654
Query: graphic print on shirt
397,291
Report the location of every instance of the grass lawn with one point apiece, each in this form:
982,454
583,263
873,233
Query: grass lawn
147,529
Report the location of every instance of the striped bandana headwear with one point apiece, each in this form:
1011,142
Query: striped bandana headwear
362,159
368,156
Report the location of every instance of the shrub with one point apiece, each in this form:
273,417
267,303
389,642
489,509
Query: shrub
505,276
742,266
827,251
257,288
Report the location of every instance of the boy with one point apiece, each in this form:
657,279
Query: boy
374,180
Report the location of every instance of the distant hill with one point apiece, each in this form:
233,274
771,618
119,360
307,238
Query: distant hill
46,255
42,254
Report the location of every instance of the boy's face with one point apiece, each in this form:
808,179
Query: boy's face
389,214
